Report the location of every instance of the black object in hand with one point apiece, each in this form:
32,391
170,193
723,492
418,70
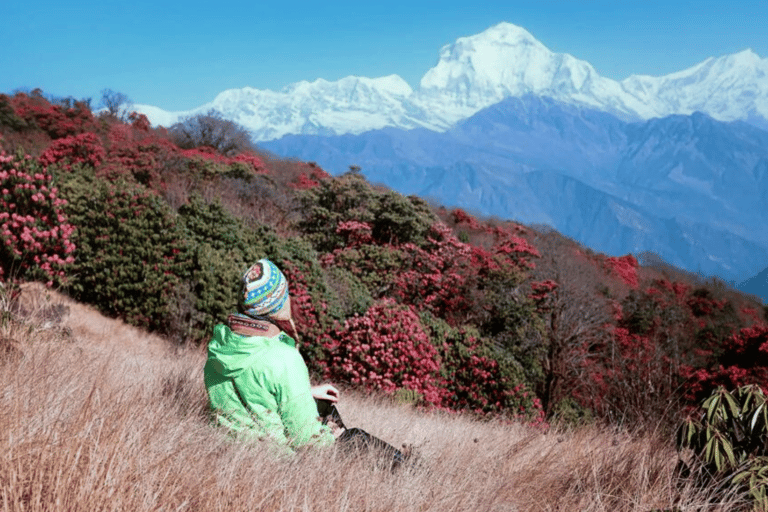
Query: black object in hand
328,413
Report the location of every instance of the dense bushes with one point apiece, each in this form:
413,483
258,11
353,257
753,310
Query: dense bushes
219,249
392,218
388,293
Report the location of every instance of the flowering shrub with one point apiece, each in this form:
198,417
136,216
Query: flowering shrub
541,291
304,182
386,349
84,148
435,276
355,233
58,121
133,155
309,178
459,216
308,304
477,379
139,121
207,163
35,233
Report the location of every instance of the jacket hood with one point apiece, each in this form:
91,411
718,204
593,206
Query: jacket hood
230,353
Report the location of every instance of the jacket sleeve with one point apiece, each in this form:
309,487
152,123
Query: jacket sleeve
298,409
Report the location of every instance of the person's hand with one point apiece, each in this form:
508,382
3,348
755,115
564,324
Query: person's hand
325,392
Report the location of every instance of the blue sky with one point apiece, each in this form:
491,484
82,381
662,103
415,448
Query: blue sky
178,55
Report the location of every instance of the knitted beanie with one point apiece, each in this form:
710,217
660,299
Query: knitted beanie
265,290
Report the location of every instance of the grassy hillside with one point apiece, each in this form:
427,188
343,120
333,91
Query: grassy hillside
99,415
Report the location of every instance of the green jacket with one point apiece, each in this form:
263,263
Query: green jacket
260,387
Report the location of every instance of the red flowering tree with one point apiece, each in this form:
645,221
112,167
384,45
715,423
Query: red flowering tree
139,121
623,267
565,288
35,234
667,341
310,177
743,360
632,379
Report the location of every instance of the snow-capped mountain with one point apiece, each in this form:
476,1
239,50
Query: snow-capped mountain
506,60
350,105
480,70
726,88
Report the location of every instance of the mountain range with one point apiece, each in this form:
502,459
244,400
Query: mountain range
478,71
674,165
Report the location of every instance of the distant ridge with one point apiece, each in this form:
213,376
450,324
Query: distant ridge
757,285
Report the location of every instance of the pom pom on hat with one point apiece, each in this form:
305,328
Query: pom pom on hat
265,290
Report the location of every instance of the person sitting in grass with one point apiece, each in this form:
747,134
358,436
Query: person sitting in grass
257,382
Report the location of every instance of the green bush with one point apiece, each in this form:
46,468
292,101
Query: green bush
130,255
479,377
221,248
352,297
393,218
509,318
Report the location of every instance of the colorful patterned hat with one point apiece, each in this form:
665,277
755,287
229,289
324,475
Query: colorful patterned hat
265,289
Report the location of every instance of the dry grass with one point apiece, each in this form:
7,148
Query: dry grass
95,415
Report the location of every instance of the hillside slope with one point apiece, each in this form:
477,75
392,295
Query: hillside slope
125,416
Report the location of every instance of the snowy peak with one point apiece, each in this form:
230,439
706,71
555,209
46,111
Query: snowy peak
727,88
506,33
505,60
486,58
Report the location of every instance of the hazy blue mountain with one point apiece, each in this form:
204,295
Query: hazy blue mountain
757,285
689,188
